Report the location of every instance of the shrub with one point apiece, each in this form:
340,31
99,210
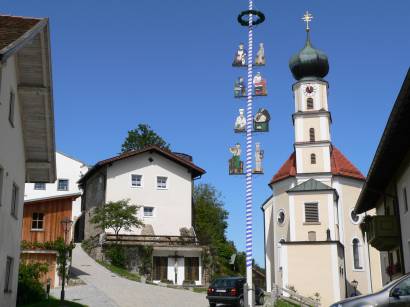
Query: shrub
117,256
30,290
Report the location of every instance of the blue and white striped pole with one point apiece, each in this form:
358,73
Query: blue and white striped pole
249,124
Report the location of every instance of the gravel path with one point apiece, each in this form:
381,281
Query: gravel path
105,289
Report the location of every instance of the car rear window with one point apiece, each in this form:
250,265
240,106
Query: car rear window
224,283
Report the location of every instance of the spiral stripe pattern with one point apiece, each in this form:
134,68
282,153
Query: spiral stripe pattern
249,123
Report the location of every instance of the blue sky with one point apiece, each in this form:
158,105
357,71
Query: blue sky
168,63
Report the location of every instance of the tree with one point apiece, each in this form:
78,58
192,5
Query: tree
141,137
117,215
210,223
30,289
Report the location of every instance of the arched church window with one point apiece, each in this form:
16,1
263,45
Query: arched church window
312,235
309,103
312,134
312,159
281,217
357,263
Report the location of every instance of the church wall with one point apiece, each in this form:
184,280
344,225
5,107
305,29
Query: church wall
320,126
349,189
302,228
312,272
304,164
269,245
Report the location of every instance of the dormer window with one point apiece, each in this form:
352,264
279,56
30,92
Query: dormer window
312,134
312,159
309,103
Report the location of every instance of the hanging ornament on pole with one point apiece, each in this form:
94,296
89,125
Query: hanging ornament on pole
248,123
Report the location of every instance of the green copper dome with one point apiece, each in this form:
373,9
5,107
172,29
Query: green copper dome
309,63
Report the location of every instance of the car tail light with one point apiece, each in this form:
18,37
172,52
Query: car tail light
234,292
210,290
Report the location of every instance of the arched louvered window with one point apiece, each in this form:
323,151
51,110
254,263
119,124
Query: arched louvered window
309,103
356,254
312,134
312,159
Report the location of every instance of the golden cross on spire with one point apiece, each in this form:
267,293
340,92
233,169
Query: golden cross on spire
307,18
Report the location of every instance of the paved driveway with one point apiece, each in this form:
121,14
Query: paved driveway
105,289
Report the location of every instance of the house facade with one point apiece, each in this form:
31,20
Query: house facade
42,219
26,132
387,190
313,242
69,171
161,184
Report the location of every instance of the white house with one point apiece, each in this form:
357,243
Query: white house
313,241
27,147
161,183
69,171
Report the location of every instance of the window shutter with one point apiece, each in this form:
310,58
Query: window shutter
311,213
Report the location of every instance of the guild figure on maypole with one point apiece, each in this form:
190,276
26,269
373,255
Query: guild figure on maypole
247,123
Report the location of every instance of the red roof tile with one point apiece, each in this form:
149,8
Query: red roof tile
13,27
341,166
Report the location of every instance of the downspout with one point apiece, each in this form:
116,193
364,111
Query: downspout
397,212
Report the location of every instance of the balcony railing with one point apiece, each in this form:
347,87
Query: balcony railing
153,240
383,232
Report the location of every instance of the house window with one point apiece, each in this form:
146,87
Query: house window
14,200
62,185
8,275
39,186
406,204
312,235
311,213
136,180
281,217
312,134
312,159
148,211
11,109
357,263
191,268
160,268
162,182
309,103
1,184
37,221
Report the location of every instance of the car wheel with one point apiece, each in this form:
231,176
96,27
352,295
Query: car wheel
241,302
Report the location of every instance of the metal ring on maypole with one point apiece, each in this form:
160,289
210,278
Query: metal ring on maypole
245,23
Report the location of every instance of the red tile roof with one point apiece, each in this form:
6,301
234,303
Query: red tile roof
341,166
13,27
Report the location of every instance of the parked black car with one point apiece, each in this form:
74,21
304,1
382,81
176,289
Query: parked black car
229,291
396,293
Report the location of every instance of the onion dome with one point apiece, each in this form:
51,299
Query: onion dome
309,63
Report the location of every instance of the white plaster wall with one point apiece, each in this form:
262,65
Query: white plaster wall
172,207
12,160
319,96
404,182
67,168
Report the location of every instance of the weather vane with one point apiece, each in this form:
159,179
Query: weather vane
307,18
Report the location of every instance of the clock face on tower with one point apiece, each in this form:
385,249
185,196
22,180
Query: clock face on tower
309,90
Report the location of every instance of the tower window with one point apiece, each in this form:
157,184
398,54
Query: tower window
312,159
312,134
311,213
309,103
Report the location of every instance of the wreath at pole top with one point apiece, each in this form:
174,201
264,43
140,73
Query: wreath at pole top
245,23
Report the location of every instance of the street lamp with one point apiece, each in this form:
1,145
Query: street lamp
66,223
355,283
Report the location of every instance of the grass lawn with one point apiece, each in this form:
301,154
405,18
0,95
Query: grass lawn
52,302
282,303
120,271
200,290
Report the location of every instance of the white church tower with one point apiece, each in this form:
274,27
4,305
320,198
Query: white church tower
313,242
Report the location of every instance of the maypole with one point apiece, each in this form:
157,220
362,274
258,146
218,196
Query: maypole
256,86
